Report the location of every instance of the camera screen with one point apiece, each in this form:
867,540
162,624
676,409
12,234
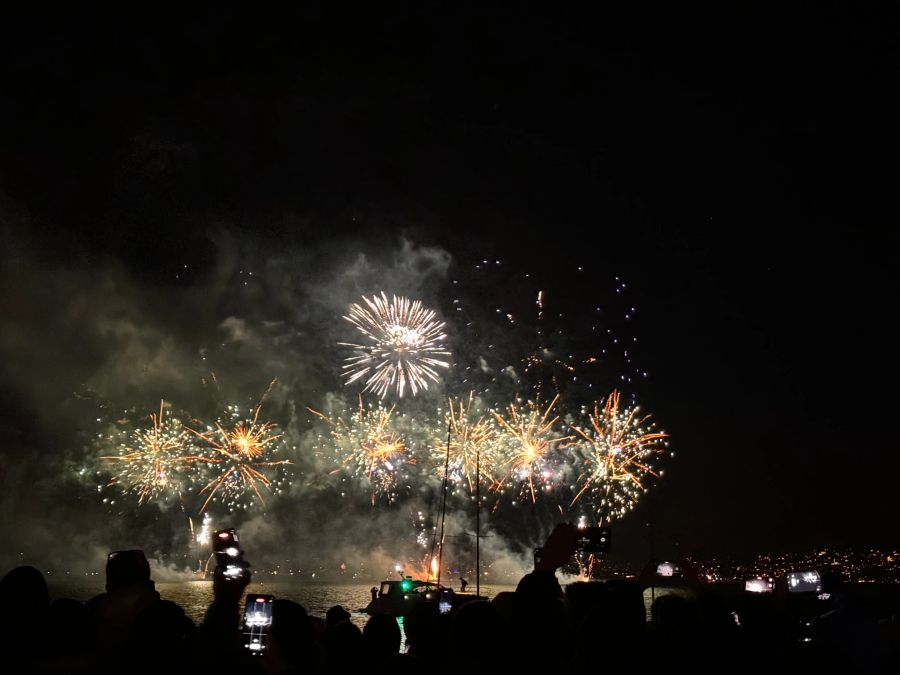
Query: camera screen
667,569
804,582
445,601
257,620
758,586
226,541
593,540
232,571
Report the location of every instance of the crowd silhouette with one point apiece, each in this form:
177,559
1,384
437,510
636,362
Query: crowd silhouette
542,627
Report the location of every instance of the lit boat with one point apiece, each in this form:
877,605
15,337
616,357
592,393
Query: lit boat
397,597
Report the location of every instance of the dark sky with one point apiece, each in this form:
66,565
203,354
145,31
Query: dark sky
737,166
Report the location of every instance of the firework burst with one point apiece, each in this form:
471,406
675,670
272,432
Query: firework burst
616,453
369,447
405,345
529,439
156,460
472,445
239,452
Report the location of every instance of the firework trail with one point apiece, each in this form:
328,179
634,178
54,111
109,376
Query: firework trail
204,536
239,452
156,461
615,453
473,445
405,345
368,446
529,438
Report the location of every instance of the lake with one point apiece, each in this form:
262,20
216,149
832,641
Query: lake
195,596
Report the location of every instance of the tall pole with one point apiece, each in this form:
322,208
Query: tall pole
478,522
652,547
444,503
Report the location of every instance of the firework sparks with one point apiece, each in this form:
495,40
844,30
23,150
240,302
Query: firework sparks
424,569
204,536
616,451
529,439
240,451
368,446
154,463
405,345
472,442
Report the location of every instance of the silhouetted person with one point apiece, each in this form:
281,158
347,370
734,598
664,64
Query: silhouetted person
343,648
425,634
381,639
292,644
70,638
677,635
505,601
463,584
539,614
374,592
615,610
219,643
335,615
24,600
129,591
478,634
163,636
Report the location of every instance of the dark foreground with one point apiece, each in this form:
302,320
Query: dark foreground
594,627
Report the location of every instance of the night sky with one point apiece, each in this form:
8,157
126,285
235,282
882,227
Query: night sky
737,168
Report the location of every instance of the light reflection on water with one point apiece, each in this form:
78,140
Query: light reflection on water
195,596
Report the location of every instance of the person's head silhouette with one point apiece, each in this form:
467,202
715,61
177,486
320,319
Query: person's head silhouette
126,568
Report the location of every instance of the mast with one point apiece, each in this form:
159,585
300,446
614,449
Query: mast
477,522
443,505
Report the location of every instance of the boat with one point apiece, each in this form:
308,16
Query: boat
396,597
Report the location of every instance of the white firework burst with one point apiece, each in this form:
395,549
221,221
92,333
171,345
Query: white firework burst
405,345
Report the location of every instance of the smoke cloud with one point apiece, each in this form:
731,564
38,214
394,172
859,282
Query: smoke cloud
87,346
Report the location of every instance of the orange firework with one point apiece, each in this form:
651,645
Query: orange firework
529,438
472,444
155,462
239,453
617,452
368,445
425,569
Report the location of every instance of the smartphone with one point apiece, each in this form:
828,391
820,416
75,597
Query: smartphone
257,622
804,582
229,556
593,540
668,569
445,600
758,585
226,541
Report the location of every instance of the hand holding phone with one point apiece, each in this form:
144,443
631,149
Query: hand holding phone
229,556
257,622
445,600
593,540
558,548
808,581
232,574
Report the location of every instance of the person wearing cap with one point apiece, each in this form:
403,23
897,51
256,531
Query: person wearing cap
335,615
